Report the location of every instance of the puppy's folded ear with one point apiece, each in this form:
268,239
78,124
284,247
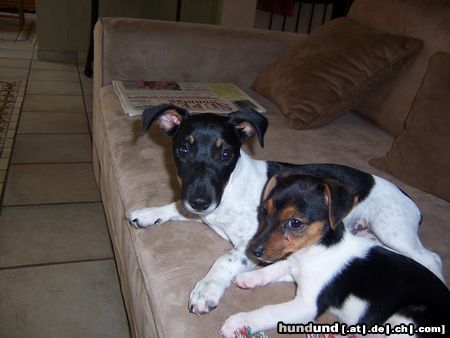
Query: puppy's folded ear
246,123
167,116
271,183
340,202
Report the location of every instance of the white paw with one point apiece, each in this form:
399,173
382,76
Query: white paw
143,218
237,325
249,280
205,297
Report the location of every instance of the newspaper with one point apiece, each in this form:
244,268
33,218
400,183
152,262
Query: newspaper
197,97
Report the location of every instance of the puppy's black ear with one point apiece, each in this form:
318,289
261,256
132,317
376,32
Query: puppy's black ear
340,202
168,117
247,122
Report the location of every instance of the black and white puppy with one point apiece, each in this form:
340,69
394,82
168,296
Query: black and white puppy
221,186
360,282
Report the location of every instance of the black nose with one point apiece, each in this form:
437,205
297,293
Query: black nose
257,249
200,203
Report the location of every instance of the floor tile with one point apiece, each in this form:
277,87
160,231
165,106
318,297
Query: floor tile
7,35
16,53
87,88
64,300
6,152
7,74
50,103
53,88
17,45
37,64
53,75
50,183
14,63
4,163
52,148
90,119
85,78
89,100
53,233
52,123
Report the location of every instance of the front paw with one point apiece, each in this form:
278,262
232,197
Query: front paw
145,217
237,326
249,280
205,297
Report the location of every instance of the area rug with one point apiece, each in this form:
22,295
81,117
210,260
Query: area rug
11,99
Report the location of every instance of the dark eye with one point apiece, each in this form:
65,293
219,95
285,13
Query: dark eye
226,155
295,224
182,151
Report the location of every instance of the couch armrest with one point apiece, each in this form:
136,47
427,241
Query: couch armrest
149,49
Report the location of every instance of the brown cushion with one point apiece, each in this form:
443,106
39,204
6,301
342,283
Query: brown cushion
388,105
326,74
420,155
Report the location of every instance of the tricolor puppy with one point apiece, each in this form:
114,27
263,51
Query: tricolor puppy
221,185
360,282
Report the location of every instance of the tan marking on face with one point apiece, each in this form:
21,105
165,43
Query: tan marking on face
269,186
278,245
274,248
219,142
190,139
287,213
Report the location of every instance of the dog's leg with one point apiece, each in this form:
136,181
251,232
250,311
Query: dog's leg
277,272
209,290
298,310
403,238
143,218
394,219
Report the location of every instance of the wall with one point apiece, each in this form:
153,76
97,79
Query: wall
63,26
238,13
147,9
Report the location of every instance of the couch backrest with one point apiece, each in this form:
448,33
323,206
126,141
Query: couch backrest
150,49
427,20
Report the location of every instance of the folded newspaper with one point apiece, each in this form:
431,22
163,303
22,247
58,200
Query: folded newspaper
197,97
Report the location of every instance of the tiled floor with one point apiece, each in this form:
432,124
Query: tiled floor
57,271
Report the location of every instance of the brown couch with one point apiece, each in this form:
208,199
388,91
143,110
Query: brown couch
159,266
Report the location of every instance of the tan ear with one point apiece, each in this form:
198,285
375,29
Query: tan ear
269,186
340,202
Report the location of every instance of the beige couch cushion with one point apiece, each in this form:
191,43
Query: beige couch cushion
426,20
326,74
420,155
136,48
159,266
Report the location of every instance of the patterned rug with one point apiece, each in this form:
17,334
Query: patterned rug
11,98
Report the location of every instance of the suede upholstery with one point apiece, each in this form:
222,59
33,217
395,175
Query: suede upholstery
328,73
420,154
159,266
192,44
428,21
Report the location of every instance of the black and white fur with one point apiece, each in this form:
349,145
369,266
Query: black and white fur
221,186
357,280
